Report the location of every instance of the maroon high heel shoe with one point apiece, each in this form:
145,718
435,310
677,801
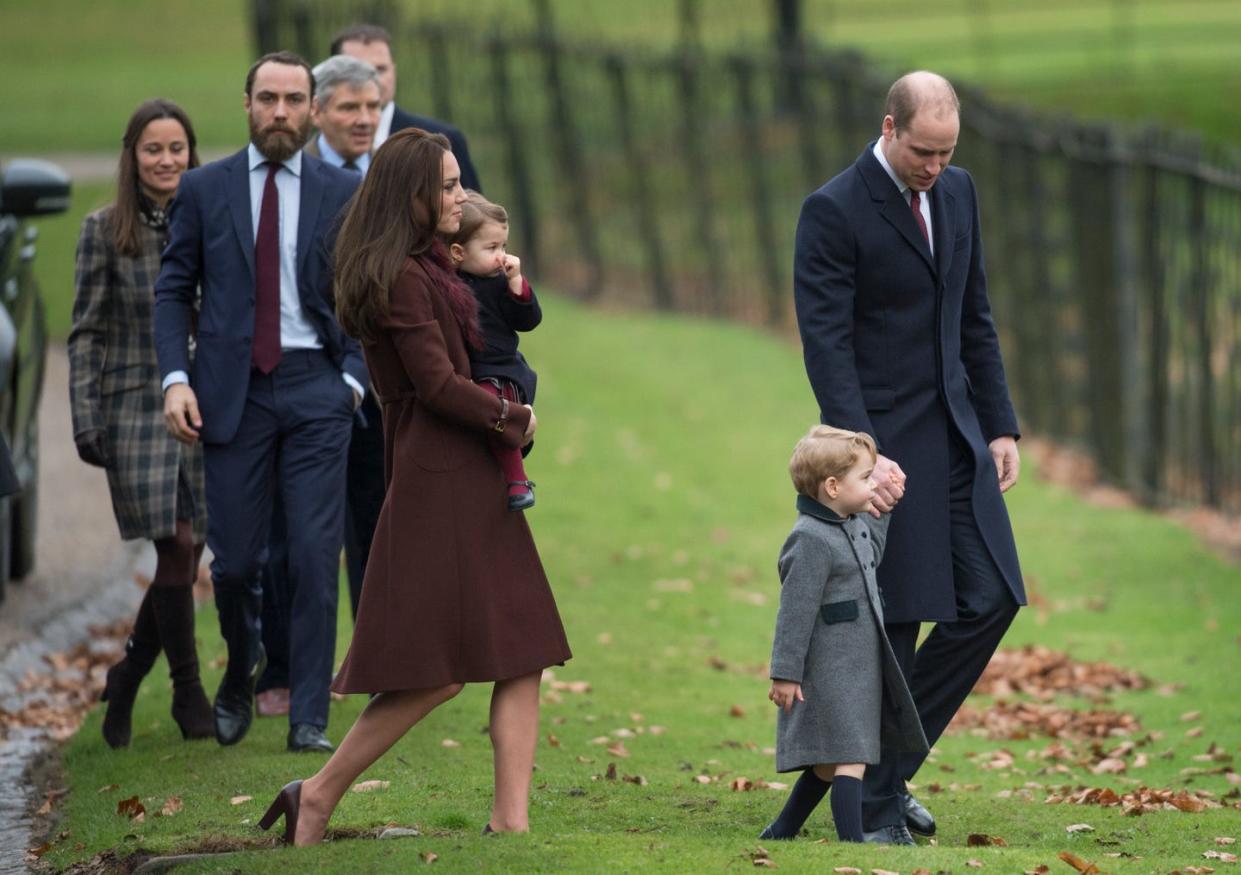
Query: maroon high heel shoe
287,802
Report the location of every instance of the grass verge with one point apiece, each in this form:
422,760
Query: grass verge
663,500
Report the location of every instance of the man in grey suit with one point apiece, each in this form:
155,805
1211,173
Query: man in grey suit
899,343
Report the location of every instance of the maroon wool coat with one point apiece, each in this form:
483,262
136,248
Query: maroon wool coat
454,590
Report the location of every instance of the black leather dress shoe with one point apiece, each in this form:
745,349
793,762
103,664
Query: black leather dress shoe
306,737
234,704
917,818
897,834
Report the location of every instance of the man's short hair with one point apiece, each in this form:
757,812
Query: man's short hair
362,33
827,452
342,70
293,59
911,93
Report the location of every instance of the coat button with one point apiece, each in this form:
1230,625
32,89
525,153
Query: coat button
864,535
872,563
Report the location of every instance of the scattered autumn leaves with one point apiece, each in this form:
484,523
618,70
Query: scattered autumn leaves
56,701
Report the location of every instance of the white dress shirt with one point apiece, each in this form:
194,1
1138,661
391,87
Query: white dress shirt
296,331
385,125
331,156
924,203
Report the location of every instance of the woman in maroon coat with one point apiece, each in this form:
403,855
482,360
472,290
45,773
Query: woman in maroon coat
454,591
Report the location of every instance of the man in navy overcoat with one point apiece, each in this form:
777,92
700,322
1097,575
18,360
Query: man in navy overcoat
272,387
899,342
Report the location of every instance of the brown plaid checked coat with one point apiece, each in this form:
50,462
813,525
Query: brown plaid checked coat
114,383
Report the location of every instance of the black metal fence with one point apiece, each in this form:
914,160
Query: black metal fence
673,179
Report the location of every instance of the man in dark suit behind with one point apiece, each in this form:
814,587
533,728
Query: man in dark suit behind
273,384
372,44
899,343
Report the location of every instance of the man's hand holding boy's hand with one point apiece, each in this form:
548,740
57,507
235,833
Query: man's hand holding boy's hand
512,270
784,693
889,485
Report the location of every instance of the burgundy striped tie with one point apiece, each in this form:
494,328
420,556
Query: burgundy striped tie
915,204
266,350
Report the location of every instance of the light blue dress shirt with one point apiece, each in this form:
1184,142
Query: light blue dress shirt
296,331
331,156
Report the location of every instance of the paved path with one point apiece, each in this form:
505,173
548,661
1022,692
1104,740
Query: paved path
84,576
95,166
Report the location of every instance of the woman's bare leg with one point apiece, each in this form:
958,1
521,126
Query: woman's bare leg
381,724
514,734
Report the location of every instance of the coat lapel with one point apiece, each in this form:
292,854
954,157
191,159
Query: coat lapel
312,198
943,228
893,207
239,206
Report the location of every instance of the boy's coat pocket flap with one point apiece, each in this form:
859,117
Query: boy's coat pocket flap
839,612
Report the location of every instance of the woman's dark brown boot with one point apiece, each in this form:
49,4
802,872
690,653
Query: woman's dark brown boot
123,679
174,611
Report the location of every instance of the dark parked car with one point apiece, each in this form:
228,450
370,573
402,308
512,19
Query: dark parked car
27,188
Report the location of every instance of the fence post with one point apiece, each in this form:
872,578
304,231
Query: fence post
515,141
648,228
303,30
1092,177
569,154
1155,455
1200,288
789,49
749,131
698,169
441,87
266,21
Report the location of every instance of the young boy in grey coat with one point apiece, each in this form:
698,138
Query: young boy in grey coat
834,676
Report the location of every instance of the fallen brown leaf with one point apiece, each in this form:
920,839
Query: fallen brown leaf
847,870
1190,716
40,850
1222,856
1079,827
610,774
1082,866
239,800
449,742
130,807
552,740
736,711
883,872
1225,840
978,840
974,864
635,779
370,786
1040,869
170,807
618,749
429,857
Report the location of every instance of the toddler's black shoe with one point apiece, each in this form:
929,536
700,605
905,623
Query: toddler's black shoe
523,499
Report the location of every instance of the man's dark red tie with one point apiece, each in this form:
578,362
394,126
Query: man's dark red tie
266,350
915,204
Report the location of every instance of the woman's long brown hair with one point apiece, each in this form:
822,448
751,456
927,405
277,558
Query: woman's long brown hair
394,215
126,218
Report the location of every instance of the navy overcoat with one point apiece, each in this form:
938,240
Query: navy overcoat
901,345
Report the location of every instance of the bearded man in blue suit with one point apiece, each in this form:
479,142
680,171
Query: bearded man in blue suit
899,342
272,386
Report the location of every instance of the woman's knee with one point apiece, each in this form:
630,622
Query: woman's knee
449,691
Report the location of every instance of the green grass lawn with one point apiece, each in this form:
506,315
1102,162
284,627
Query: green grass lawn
663,500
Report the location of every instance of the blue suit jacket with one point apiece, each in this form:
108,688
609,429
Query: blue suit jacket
901,345
211,245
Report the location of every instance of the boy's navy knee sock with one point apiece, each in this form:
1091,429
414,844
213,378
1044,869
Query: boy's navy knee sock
847,808
805,796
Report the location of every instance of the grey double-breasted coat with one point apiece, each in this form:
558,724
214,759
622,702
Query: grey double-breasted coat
114,383
830,639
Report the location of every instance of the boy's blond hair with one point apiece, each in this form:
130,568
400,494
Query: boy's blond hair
825,452
476,212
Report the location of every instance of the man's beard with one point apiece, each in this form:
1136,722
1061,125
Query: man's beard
279,142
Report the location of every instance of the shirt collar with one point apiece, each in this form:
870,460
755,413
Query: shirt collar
293,165
331,156
887,168
385,117
811,507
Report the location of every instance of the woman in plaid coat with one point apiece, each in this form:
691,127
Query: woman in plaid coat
118,425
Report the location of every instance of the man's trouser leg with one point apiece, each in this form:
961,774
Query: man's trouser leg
315,407
952,658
